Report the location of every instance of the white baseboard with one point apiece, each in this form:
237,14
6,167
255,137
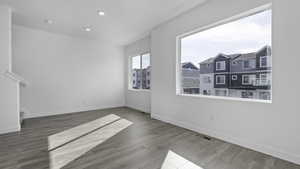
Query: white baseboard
9,130
276,152
79,109
136,108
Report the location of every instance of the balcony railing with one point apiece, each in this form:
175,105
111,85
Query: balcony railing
261,82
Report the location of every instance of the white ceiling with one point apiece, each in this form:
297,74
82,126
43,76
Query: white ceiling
124,20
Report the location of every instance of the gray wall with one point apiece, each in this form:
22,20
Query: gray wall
9,89
66,74
269,128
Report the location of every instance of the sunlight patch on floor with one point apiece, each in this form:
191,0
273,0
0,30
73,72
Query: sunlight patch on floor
175,161
64,137
81,142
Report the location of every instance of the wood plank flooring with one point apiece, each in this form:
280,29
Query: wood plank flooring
145,144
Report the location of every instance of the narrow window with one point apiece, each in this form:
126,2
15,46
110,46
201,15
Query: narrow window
248,79
263,61
220,79
140,68
249,64
264,79
220,65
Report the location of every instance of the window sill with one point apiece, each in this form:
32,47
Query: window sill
140,90
226,98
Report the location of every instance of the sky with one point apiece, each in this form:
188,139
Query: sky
136,61
241,36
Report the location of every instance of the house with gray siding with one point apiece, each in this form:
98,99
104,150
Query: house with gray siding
237,75
136,78
146,78
207,77
222,73
250,78
190,78
141,78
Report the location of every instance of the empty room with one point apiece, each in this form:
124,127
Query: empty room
149,84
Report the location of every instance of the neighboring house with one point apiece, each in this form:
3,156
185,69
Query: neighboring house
207,77
238,75
190,78
243,75
141,78
136,78
146,78
221,73
251,75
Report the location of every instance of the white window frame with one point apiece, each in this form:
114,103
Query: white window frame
178,88
250,80
245,64
243,77
266,80
222,82
260,62
223,62
130,73
251,61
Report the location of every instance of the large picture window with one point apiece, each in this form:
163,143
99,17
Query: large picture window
140,72
229,59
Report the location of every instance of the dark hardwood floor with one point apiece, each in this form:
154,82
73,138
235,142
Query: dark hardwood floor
143,145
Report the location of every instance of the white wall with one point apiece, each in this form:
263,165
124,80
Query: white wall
269,128
137,99
9,89
66,74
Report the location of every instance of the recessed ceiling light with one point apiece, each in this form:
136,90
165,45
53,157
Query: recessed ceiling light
100,13
48,21
87,28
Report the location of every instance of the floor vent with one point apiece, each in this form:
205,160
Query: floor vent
207,138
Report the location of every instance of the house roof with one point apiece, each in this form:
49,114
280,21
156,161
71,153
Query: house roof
233,56
189,65
246,56
209,60
237,55
263,48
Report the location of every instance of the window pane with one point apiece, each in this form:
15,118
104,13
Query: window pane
145,60
228,60
146,71
136,72
136,62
